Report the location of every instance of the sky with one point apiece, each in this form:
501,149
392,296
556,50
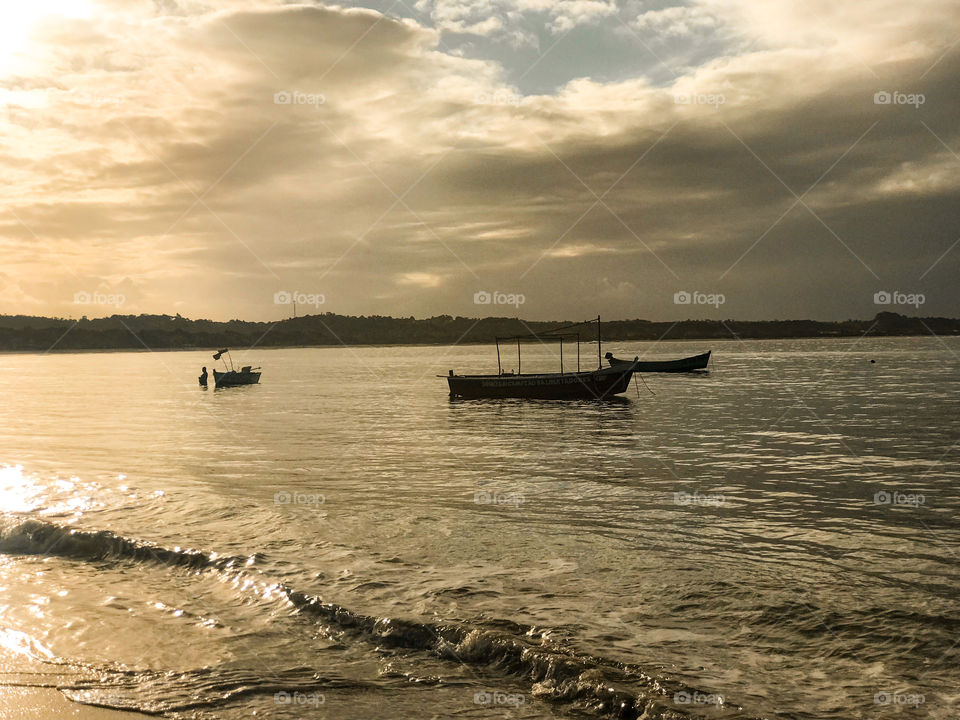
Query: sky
548,159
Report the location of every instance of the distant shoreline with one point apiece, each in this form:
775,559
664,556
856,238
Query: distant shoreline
125,333
241,348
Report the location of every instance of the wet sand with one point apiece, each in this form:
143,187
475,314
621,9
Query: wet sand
42,703
25,703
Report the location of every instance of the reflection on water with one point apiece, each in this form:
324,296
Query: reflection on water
58,496
16,492
779,534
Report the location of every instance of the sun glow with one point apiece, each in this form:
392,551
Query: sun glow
16,491
21,21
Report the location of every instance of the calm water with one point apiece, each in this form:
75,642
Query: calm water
777,538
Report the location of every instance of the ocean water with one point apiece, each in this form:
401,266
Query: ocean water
777,538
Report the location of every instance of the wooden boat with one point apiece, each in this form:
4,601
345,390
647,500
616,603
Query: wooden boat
687,364
592,384
602,383
230,377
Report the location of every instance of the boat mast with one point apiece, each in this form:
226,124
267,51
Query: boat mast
599,356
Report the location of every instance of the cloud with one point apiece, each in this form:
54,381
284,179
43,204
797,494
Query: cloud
204,154
420,279
514,20
677,20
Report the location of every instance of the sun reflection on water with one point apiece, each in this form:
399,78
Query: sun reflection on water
23,493
19,643
17,493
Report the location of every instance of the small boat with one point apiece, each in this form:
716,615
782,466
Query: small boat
600,384
244,376
687,364
247,375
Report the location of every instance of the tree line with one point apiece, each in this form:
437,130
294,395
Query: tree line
171,332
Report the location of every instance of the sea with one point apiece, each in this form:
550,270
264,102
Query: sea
778,537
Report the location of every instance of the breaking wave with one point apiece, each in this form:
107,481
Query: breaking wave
600,686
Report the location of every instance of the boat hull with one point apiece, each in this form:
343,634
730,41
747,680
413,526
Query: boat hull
687,364
594,385
234,378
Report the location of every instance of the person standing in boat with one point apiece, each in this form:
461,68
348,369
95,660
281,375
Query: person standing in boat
203,377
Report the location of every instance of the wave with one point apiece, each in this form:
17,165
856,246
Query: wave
37,537
600,686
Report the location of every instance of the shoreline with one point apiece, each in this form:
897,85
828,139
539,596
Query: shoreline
175,333
472,343
29,703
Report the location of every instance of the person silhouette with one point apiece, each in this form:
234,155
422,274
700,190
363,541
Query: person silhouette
203,377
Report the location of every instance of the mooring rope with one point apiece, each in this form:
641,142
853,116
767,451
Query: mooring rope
637,386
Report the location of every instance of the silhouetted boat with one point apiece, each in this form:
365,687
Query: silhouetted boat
687,364
244,376
592,384
602,383
247,375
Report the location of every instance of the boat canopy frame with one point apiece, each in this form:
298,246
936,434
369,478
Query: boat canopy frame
219,355
554,334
